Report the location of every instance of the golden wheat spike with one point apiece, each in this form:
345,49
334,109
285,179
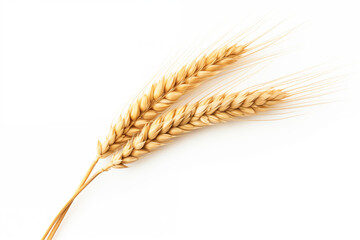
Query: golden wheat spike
206,112
164,93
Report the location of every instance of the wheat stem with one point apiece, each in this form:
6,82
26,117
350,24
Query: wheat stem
57,224
78,191
161,95
58,219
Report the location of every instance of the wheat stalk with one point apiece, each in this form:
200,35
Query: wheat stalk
164,93
160,96
138,121
189,117
205,112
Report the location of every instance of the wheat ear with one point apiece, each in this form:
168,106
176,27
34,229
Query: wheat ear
208,111
164,93
160,96
189,117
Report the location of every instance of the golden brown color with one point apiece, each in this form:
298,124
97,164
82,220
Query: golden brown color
164,93
141,130
209,111
160,96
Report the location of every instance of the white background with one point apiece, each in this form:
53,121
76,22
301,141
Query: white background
69,66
